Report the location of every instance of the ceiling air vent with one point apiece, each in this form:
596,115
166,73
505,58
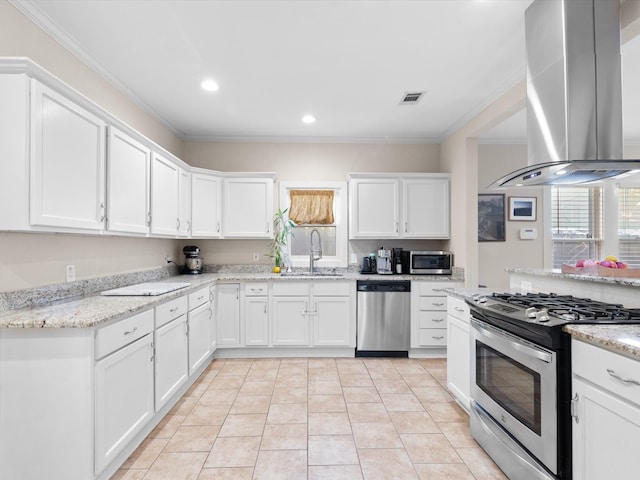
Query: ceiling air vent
411,98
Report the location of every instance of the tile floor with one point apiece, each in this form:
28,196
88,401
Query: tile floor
312,419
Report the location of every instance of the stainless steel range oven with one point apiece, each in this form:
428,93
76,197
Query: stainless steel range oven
521,378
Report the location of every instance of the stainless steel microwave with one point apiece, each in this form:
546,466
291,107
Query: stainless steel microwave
430,263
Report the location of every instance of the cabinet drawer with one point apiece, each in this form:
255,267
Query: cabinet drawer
432,303
598,366
431,288
256,289
433,319
433,337
456,307
170,310
111,338
333,288
199,297
290,289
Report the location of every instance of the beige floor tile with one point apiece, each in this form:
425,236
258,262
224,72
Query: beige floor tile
227,382
293,370
320,374
218,397
167,426
289,395
349,366
446,412
367,413
193,439
395,386
322,363
197,389
480,464
257,388
146,453
424,379
299,381
409,367
234,368
429,448
281,465
376,435
184,406
435,394
251,404
335,472
329,424
325,387
284,437
233,452
243,425
401,402
386,464
293,361
332,450
265,363
439,374
326,403
435,471
176,466
458,434
237,473
361,395
287,413
262,375
414,422
135,474
433,363
356,380
203,414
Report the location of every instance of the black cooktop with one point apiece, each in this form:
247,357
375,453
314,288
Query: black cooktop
540,317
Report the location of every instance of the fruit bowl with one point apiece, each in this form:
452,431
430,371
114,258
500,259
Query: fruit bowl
598,271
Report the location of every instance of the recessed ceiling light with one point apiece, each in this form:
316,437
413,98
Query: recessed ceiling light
209,86
308,119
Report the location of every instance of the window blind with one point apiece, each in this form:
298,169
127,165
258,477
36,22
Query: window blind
629,225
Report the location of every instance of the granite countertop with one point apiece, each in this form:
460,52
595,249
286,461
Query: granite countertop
79,304
622,339
539,272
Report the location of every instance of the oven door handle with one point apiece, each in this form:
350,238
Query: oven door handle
526,349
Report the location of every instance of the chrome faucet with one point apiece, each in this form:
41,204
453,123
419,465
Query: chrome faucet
312,251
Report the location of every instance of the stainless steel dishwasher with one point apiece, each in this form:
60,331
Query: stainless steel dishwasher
383,318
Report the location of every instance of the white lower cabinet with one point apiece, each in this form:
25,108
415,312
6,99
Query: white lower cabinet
199,323
429,314
606,411
171,359
124,388
290,320
227,314
256,314
459,350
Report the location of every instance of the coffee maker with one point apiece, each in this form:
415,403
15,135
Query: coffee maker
384,262
397,260
192,264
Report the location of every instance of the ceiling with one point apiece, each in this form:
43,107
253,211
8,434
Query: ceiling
347,62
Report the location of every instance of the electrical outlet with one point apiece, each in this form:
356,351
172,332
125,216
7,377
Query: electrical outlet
70,273
354,258
256,256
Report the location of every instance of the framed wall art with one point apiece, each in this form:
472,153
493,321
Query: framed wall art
491,217
522,208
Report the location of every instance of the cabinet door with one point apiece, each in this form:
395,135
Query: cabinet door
332,322
199,337
228,314
67,163
164,196
375,208
205,206
425,208
124,398
171,359
256,321
605,436
213,326
248,208
184,203
128,182
459,360
290,320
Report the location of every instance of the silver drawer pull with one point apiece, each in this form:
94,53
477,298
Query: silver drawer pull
438,338
458,309
129,332
622,379
438,320
200,297
437,304
173,310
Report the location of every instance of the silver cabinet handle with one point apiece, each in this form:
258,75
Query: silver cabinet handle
396,227
173,310
102,212
622,379
405,227
265,307
200,297
574,408
177,224
437,338
438,320
148,219
129,332
437,304
188,225
458,309
218,227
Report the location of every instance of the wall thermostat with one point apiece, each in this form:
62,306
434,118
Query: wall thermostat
528,233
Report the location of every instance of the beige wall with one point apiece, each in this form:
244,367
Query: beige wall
30,260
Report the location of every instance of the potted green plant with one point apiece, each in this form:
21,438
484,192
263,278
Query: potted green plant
282,227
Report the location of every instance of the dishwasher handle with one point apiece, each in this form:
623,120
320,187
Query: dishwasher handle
378,286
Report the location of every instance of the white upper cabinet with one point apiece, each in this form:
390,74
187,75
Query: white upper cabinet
399,206
128,181
248,207
205,205
184,203
165,176
67,162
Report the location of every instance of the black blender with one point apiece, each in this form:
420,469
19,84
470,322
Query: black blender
192,263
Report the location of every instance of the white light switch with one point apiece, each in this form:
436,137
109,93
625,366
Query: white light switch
70,273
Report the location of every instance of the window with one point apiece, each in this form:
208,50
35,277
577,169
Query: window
576,224
629,225
333,231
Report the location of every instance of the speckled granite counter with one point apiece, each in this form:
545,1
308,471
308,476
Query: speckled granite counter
79,305
629,282
623,339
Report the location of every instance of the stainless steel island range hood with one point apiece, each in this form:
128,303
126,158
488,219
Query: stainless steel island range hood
574,94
